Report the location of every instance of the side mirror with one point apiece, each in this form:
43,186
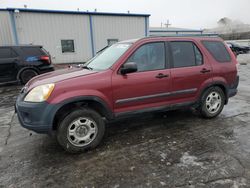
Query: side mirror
128,68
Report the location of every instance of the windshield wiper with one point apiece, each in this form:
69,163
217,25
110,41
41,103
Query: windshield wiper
102,49
86,67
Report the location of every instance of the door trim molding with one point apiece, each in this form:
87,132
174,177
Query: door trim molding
154,109
141,98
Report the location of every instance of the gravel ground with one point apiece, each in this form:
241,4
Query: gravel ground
171,149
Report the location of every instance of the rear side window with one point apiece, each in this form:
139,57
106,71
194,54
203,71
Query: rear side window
218,50
32,51
185,54
7,53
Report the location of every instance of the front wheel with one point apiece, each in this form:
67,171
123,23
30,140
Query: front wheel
212,102
82,129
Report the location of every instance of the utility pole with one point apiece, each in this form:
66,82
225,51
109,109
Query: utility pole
167,24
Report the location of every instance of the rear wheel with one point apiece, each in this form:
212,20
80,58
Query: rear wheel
212,102
82,129
27,74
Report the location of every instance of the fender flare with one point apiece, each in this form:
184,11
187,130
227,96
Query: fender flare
216,83
107,111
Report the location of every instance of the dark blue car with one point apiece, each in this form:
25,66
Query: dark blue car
23,62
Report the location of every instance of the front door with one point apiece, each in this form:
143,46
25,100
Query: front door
150,86
8,67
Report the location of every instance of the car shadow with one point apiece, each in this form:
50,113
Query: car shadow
120,132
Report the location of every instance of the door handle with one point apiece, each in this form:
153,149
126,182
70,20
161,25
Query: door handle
160,75
204,70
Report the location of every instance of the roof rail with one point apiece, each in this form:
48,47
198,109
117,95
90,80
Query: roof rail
187,35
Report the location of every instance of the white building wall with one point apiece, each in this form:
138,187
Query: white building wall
116,27
6,35
48,29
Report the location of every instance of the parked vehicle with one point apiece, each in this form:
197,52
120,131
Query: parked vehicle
21,63
128,78
238,49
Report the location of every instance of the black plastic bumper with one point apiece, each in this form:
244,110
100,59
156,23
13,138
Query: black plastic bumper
37,117
232,91
44,69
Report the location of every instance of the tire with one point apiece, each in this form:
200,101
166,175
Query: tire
212,102
27,74
81,130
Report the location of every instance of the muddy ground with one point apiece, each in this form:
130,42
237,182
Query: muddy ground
171,149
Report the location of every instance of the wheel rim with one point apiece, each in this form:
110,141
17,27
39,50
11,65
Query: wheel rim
213,102
82,131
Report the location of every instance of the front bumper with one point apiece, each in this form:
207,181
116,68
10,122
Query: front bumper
37,117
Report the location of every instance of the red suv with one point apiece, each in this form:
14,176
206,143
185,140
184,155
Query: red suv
127,78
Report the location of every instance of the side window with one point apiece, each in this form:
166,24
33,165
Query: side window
198,56
185,54
218,50
149,57
7,53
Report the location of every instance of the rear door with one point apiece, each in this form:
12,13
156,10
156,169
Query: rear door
190,69
150,86
8,64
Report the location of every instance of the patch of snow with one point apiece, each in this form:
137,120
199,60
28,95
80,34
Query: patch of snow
163,156
116,186
163,183
188,160
132,168
235,183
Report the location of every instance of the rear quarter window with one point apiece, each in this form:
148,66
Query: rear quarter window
218,50
7,53
32,51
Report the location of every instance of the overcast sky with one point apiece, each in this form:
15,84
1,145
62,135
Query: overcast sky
193,14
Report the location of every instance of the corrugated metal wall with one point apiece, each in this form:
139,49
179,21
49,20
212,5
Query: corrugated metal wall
6,35
116,27
49,29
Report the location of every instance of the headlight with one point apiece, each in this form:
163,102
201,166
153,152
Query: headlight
40,93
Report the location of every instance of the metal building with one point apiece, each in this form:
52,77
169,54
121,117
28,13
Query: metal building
69,36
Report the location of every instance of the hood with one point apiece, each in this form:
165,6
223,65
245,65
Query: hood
58,75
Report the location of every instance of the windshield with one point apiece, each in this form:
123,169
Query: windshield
107,57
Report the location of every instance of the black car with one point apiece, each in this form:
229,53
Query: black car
21,63
238,49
